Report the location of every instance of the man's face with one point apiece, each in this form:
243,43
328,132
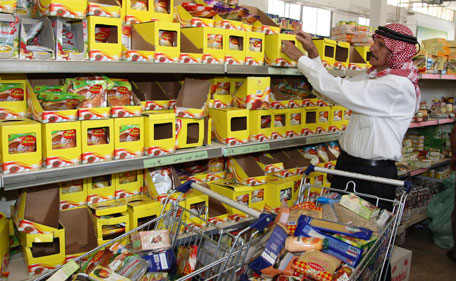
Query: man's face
379,54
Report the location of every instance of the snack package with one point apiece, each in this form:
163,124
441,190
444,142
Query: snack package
166,38
162,179
93,89
199,10
295,244
96,136
310,152
11,92
234,43
6,37
255,45
21,143
215,41
102,34
105,274
127,177
360,206
140,5
155,276
120,94
101,181
343,273
100,258
61,101
161,6
337,228
318,265
186,259
49,88
63,139
154,240
162,261
132,267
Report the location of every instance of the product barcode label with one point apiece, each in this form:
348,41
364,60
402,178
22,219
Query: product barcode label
163,262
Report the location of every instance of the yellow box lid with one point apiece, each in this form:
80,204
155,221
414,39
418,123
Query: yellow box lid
140,202
237,187
108,207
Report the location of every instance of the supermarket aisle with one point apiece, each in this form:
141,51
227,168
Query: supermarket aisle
429,262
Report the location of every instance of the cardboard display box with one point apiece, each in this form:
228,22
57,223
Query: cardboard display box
20,145
97,140
61,144
264,24
104,8
105,38
128,183
11,47
273,50
254,52
160,137
123,86
151,189
190,132
157,96
260,126
111,220
134,15
63,8
280,125
135,47
128,137
100,189
44,38
301,162
234,191
316,120
198,203
220,94
8,6
342,56
141,209
4,243
186,19
245,170
80,236
73,194
253,94
14,102
37,112
71,38
401,260
277,192
327,51
359,58
163,11
193,98
268,163
217,213
336,119
294,116
236,46
290,167
209,41
231,125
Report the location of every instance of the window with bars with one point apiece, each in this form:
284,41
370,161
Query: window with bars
423,8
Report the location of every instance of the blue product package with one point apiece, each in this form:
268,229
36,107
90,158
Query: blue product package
347,253
272,249
349,230
162,261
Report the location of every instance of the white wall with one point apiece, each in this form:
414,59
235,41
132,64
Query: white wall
260,4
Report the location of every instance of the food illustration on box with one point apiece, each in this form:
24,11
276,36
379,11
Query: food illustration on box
11,92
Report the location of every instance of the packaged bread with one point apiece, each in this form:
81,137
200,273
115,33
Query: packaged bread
161,6
318,265
120,94
61,101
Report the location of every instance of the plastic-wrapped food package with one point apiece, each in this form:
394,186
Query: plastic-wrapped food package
6,37
199,10
166,38
161,6
71,186
234,43
69,39
162,179
153,240
215,41
255,44
101,181
216,165
186,259
61,101
295,118
310,153
127,177
139,5
279,121
93,89
49,88
11,92
102,34
129,133
63,139
318,265
32,30
132,267
120,94
96,136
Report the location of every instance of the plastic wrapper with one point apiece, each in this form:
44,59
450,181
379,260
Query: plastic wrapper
186,259
102,34
61,101
71,186
337,228
318,265
266,122
21,143
93,89
112,231
155,276
6,37
166,38
31,31
234,43
63,139
96,136
295,118
343,273
69,39
255,44
41,49
120,94
311,154
127,177
49,88
279,121
215,41
216,165
334,147
154,240
102,258
129,133
162,179
295,244
139,5
101,181
133,268
161,6
11,92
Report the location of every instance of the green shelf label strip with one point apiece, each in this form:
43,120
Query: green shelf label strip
175,159
231,151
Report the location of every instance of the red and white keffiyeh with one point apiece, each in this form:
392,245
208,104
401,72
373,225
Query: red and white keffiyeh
400,59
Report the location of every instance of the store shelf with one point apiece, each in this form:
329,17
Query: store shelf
414,219
21,66
431,179
418,171
48,176
431,123
437,77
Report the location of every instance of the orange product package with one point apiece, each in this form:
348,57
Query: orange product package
120,94
166,38
317,265
60,100
102,34
63,139
161,6
93,89
97,136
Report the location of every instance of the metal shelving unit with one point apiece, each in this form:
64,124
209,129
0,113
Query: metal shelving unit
418,171
432,123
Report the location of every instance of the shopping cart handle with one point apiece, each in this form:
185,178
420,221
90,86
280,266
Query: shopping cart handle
185,187
309,170
408,185
262,222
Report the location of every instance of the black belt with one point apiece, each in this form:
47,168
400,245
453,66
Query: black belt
347,158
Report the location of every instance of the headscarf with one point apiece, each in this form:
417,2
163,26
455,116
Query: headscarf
400,59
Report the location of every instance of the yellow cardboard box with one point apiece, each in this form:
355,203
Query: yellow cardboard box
220,22
197,203
254,52
273,49
268,163
141,209
336,120
128,183
73,194
236,46
20,144
207,177
135,15
79,35
189,132
13,104
8,6
217,212
97,140
160,138
245,170
163,11
342,56
43,264
157,95
295,124
260,126
105,38
254,93
123,86
264,23
187,20
100,189
231,125
110,220
290,167
220,94
234,191
4,243
359,58
193,99
277,191
316,120
280,126
63,8
209,41
61,144
327,51
104,8
128,137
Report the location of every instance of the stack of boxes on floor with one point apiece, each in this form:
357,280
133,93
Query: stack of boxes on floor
437,56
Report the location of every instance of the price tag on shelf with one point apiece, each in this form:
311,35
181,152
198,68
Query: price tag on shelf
175,159
245,149
322,138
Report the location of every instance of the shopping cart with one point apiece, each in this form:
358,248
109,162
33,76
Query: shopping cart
374,262
220,256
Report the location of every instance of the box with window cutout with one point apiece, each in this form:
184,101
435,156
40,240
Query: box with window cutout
192,132
294,122
230,125
236,47
209,42
73,194
254,52
97,140
280,123
260,126
61,144
110,220
316,121
160,138
141,209
128,137
105,43
128,183
327,50
273,49
100,189
342,56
